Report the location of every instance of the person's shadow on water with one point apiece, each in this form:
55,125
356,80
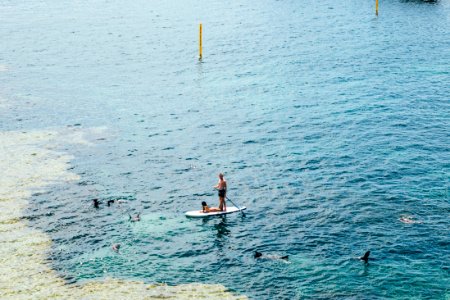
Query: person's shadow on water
221,228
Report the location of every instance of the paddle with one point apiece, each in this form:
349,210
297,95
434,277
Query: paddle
242,211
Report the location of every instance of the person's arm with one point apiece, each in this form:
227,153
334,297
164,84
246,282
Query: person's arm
217,186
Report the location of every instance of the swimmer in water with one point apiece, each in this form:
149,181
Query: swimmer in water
116,247
135,218
95,203
408,220
207,209
275,257
114,201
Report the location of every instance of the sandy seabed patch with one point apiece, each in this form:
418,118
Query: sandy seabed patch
31,164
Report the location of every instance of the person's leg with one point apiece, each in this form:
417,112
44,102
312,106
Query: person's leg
221,203
224,203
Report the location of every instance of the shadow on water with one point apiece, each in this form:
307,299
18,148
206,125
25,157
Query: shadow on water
200,72
365,271
221,226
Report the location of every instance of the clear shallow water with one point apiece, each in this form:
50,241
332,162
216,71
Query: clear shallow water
329,123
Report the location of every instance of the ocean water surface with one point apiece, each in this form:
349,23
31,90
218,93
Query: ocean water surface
329,123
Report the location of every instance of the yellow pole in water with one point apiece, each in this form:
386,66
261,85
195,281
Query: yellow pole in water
200,40
376,7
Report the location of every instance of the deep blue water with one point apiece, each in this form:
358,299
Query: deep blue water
329,124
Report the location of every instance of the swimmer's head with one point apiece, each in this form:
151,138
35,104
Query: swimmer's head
258,254
204,204
221,175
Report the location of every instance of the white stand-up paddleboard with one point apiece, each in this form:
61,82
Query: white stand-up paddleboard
200,214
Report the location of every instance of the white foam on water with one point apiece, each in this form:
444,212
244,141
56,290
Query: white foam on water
30,164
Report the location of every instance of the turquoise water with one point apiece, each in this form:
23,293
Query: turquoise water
329,123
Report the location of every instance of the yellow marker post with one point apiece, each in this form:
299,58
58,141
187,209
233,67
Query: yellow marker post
376,7
200,41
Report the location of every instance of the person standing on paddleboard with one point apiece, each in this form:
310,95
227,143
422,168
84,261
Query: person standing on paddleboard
222,188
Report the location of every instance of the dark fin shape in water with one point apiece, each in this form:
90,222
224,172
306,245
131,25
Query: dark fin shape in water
365,258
